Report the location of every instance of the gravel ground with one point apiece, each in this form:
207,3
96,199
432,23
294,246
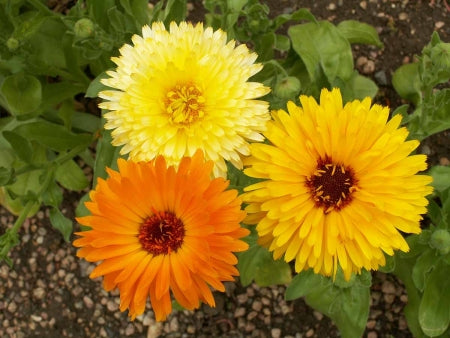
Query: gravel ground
47,293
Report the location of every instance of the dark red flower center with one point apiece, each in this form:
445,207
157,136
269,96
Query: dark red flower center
161,233
331,185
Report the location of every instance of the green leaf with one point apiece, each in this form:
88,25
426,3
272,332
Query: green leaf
116,19
389,266
23,93
21,146
81,209
175,11
53,196
434,309
61,223
86,122
18,192
434,213
304,283
359,32
403,269
257,264
402,111
348,308
424,264
65,113
31,22
52,135
406,82
266,44
6,175
358,87
300,14
54,93
70,176
321,45
436,111
98,10
441,177
48,54
282,42
96,86
140,12
107,156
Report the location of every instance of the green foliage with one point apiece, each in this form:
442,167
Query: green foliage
416,82
346,303
46,60
258,264
425,270
317,53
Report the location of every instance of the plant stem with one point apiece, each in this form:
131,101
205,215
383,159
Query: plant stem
40,6
23,215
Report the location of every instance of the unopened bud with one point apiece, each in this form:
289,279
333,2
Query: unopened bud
12,44
84,28
287,87
440,54
440,240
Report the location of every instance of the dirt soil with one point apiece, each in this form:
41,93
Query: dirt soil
48,293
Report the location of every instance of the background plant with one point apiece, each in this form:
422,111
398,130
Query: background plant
50,69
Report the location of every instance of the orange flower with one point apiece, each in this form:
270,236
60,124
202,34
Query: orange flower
158,230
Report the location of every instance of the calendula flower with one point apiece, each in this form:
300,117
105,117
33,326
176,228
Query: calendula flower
182,90
339,185
159,230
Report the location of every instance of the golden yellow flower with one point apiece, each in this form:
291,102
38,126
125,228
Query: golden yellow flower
339,185
158,230
185,89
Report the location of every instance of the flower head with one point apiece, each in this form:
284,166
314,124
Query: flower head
159,230
182,90
339,185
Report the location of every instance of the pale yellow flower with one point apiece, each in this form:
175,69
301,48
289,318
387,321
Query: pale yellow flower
185,89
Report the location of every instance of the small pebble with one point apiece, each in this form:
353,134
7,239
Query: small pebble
310,333
190,329
242,298
173,325
361,61
318,315
369,67
444,161
39,293
388,287
240,311
275,332
252,315
88,302
389,298
257,305
372,334
111,306
36,318
129,330
12,307
403,16
371,324
439,24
